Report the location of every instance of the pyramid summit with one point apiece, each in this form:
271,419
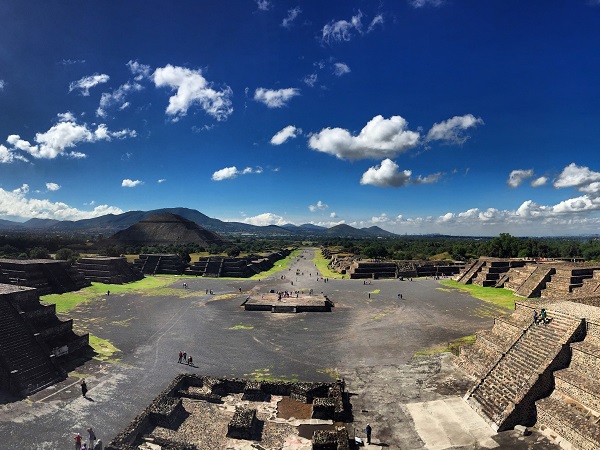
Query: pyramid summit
166,229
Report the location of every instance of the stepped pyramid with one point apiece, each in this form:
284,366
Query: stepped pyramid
166,229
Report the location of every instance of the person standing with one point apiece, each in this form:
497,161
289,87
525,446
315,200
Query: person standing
185,357
180,356
84,388
77,439
91,437
368,431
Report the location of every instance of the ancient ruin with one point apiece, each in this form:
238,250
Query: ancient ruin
46,275
166,229
294,302
201,412
159,263
110,270
243,267
34,343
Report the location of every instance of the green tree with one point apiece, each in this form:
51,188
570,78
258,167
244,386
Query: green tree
66,254
39,253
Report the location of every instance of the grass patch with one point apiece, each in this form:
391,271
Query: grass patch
333,373
242,327
500,297
280,265
104,349
322,266
266,375
451,346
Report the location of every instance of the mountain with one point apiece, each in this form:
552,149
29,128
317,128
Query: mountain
10,225
344,230
310,226
40,223
378,232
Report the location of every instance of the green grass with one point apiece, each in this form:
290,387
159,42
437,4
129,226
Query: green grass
266,375
451,346
500,297
280,265
104,349
322,265
242,327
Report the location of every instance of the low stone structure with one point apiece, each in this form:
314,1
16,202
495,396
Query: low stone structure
110,270
34,343
544,374
243,267
159,263
46,275
292,303
200,412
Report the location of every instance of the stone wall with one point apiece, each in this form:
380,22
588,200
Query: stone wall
110,270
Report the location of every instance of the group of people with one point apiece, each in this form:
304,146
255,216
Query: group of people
287,294
80,445
542,317
184,358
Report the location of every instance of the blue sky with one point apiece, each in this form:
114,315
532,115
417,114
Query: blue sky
418,116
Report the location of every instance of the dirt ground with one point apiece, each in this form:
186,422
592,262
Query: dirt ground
369,339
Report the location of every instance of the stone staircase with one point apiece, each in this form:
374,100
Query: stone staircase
470,272
110,270
518,275
505,395
589,287
566,281
27,366
490,273
573,409
535,282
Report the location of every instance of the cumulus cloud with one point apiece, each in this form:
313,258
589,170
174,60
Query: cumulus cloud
140,71
15,203
86,83
8,156
320,206
289,132
232,172
379,138
310,80
582,178
424,3
265,219
192,89
452,131
275,98
52,186
333,215
539,182
342,30
131,183
340,69
516,177
292,15
116,97
67,133
388,174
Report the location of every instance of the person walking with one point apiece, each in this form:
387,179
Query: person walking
84,388
368,430
91,437
180,356
184,357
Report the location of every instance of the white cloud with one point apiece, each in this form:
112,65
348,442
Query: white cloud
265,219
263,5
320,206
424,3
86,83
8,156
382,218
377,20
52,186
378,139
579,177
289,132
68,62
116,97
67,133
140,71
342,30
275,98
16,204
386,174
192,88
131,183
517,177
161,180
2,85
310,80
333,215
292,15
539,182
232,172
452,131
340,69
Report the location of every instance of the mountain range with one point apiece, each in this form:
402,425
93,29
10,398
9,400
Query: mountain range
112,223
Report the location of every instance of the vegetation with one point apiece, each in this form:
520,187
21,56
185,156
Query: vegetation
500,297
322,265
450,346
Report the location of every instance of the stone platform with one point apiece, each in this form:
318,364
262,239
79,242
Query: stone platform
294,303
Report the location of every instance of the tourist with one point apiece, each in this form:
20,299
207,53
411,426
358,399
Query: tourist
107,293
544,317
535,317
84,446
91,437
77,439
180,356
184,357
368,430
190,362
84,388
